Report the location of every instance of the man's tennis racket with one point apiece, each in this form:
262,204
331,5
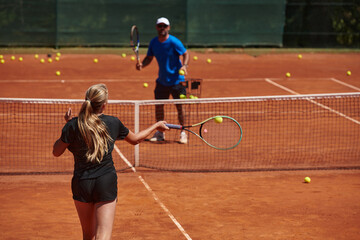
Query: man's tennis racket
135,41
219,132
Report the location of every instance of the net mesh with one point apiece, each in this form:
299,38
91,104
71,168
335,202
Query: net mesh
283,132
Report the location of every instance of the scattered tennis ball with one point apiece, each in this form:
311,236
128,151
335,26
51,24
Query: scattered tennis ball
191,97
1,56
218,119
123,55
12,58
307,179
181,72
50,60
132,58
195,97
42,60
299,56
20,59
182,96
195,58
348,73
96,60
208,60
58,54
2,61
57,73
36,56
288,74
57,58
145,85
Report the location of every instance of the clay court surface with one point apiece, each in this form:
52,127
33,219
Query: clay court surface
168,205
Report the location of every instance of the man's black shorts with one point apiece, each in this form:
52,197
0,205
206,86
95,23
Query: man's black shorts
163,92
101,189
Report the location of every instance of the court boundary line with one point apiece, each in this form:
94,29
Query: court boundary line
155,197
345,84
312,101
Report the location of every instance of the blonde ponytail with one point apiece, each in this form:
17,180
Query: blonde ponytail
92,129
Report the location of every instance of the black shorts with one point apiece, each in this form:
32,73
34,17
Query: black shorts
101,189
163,92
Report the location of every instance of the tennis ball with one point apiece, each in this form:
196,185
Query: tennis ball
288,74
307,180
208,60
182,96
57,58
299,56
191,97
96,60
195,58
348,73
50,60
132,58
123,55
1,56
42,60
20,59
12,58
36,56
218,119
181,72
145,85
58,73
58,54
2,61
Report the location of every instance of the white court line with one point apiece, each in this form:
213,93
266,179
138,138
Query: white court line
166,210
345,84
312,101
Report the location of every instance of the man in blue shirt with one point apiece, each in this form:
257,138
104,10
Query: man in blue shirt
167,50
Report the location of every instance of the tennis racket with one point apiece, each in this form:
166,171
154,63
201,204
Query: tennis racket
219,132
135,41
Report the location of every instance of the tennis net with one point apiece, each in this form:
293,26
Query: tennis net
279,133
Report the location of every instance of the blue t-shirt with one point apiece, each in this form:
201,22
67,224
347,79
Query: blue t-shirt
167,55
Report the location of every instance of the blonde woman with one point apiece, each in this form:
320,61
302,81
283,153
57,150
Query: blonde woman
90,137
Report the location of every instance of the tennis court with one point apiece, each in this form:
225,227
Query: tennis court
157,204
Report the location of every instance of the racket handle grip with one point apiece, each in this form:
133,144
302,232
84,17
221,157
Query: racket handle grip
174,126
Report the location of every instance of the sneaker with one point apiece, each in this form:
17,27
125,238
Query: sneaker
183,138
158,136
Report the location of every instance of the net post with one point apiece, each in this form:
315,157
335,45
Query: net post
136,129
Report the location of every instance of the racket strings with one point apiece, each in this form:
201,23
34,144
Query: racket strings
221,135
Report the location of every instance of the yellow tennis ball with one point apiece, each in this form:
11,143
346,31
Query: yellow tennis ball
218,119
2,61
348,73
132,58
96,60
123,55
50,60
1,56
307,179
12,58
208,60
299,56
288,74
42,60
182,96
20,59
36,56
145,85
57,58
181,72
58,54
58,73
195,58
191,97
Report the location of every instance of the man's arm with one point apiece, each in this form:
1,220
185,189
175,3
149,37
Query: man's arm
186,57
147,60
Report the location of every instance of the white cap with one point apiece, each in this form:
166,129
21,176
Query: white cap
163,20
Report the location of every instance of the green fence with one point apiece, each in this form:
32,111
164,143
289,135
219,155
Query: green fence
58,23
